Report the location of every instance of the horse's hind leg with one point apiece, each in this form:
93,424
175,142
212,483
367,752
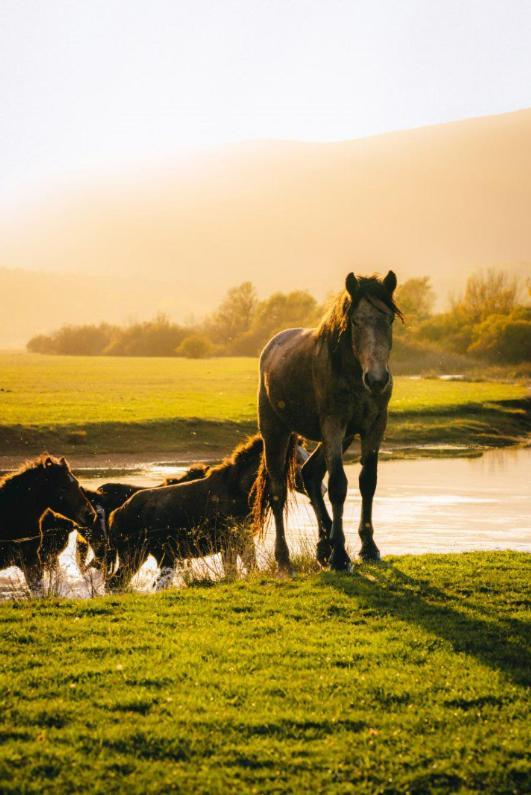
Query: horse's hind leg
312,473
276,442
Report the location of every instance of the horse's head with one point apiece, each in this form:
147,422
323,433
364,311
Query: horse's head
64,493
372,311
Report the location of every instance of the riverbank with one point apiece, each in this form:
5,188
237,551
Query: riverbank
466,430
110,410
405,676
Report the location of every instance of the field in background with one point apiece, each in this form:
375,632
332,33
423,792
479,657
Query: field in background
408,676
90,404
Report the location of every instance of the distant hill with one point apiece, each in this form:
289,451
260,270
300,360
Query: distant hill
442,200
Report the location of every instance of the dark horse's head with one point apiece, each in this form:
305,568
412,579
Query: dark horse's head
64,494
45,482
362,317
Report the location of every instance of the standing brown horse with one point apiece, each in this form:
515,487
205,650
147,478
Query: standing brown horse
329,384
25,495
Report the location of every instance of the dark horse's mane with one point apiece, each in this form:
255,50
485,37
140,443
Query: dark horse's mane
13,481
251,451
246,451
336,322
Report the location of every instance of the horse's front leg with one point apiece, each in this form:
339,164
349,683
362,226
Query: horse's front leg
337,492
248,551
34,574
130,562
367,480
229,559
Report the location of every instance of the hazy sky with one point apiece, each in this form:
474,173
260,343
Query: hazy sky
91,86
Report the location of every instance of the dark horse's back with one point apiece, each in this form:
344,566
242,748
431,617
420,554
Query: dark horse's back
169,509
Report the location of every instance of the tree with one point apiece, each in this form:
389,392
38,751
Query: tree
492,292
415,297
235,314
279,311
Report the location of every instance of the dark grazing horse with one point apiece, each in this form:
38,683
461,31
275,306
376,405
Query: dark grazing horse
105,499
30,536
328,384
191,519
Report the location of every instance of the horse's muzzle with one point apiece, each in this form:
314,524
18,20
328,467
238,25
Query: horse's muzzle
376,384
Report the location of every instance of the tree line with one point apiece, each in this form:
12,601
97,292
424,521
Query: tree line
488,321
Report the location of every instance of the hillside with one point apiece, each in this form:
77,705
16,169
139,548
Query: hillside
441,200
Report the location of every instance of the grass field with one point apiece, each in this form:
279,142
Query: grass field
408,676
127,404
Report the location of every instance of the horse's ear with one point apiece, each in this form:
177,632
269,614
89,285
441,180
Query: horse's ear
62,461
390,282
48,461
352,285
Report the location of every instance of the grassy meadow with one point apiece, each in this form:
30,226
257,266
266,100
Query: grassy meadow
408,676
104,404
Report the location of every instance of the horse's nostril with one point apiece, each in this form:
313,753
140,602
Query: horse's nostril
375,383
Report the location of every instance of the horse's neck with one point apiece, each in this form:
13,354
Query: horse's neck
22,503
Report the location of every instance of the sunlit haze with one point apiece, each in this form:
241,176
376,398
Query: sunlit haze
91,88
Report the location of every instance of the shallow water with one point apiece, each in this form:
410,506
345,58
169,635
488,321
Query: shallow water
424,505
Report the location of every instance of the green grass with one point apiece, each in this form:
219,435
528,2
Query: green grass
132,404
409,676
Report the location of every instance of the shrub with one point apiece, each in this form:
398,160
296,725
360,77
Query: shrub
502,339
196,346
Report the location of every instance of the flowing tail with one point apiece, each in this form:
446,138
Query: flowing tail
260,496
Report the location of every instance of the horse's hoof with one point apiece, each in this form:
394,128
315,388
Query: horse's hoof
285,570
370,553
323,551
340,561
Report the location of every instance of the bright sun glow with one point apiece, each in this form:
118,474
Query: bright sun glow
91,87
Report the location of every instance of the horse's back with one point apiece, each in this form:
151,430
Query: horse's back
287,392
159,506
282,343
289,354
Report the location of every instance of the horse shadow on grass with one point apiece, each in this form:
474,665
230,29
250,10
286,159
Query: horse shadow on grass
501,644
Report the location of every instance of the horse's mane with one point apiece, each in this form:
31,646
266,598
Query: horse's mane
247,450
28,470
336,321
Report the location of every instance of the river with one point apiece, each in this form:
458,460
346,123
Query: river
422,505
